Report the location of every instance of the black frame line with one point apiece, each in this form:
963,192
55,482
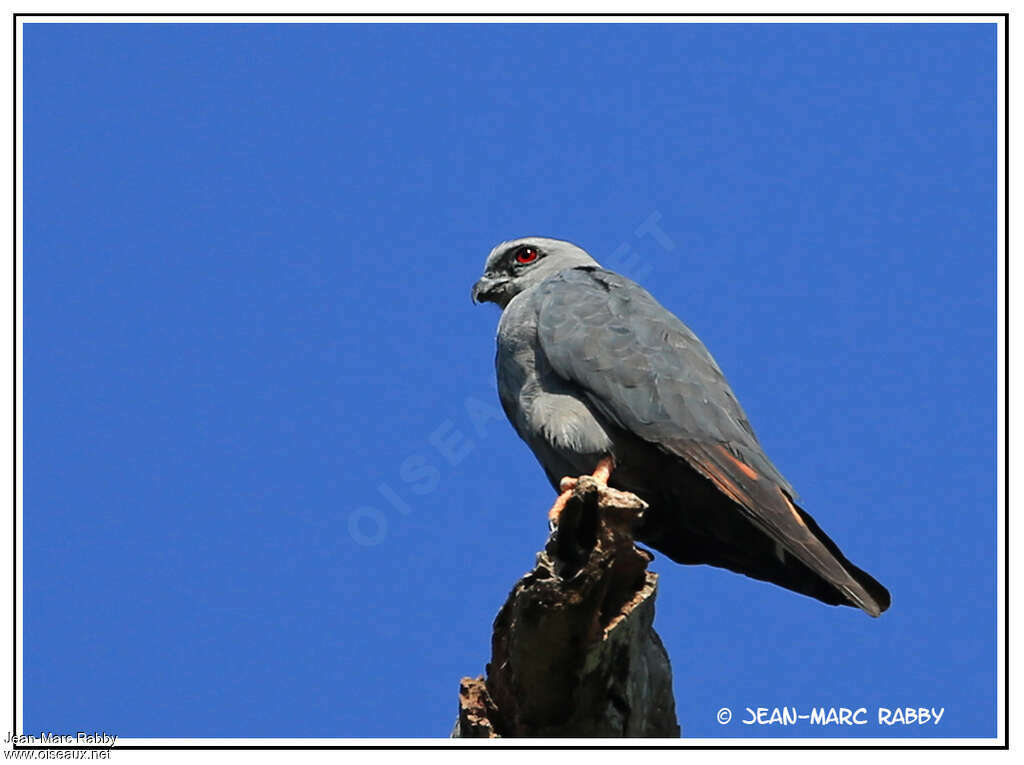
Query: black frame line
440,745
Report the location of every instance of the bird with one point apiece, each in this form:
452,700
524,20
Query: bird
597,377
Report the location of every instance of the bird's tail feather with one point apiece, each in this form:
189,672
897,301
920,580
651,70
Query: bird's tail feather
723,535
762,559
767,506
878,595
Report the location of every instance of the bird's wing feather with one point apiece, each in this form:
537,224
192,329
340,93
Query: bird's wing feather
648,373
641,366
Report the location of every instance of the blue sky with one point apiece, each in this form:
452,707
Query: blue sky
268,487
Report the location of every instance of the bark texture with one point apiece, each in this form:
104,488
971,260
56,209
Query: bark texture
574,652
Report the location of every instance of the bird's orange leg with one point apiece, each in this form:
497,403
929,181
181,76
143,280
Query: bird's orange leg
603,471
601,474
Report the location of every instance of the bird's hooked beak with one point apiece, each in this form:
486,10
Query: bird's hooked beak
486,289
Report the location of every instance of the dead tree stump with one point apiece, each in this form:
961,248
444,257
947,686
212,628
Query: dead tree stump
574,652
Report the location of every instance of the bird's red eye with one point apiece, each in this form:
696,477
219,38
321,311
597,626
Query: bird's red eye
526,255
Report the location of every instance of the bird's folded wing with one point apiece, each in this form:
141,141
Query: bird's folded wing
647,372
640,366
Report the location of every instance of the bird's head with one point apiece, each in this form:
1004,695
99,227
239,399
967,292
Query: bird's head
522,263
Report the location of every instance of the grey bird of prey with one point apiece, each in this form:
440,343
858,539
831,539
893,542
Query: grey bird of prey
596,376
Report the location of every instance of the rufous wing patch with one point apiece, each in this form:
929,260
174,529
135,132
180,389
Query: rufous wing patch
792,509
723,482
748,471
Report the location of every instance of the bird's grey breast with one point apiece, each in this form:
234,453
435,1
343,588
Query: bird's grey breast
549,412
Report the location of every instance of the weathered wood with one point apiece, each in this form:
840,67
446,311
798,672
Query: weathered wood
574,652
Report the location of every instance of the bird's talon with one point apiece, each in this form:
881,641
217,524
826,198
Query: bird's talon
556,509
